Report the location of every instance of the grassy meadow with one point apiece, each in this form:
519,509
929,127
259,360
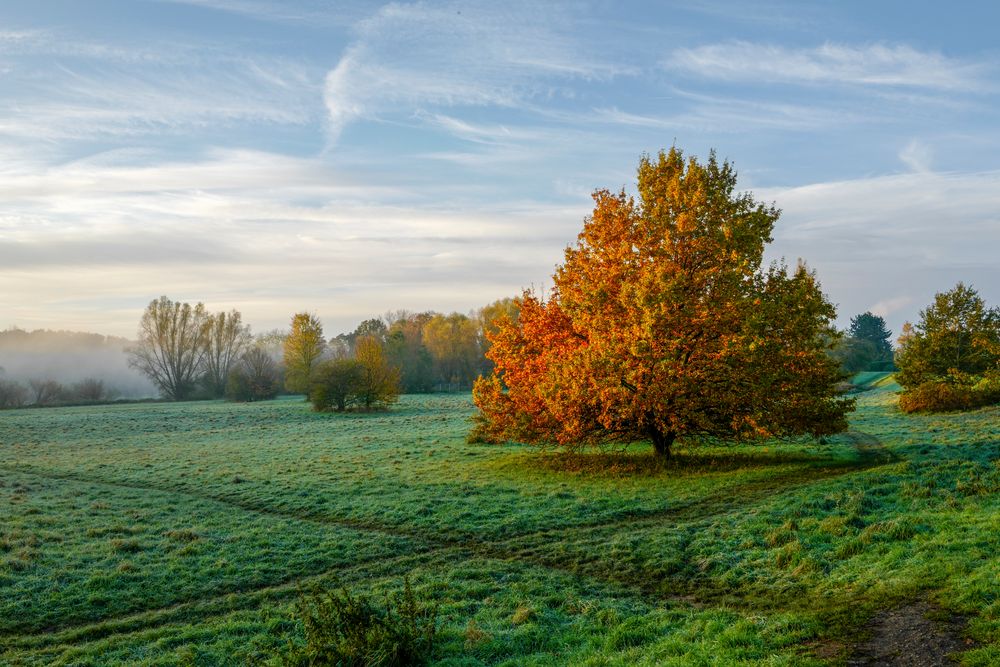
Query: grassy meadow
182,534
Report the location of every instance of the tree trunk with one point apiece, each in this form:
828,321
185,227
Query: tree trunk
662,441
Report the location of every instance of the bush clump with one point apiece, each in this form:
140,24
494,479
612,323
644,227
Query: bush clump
956,392
255,377
357,631
366,382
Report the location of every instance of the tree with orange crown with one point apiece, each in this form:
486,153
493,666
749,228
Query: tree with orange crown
662,324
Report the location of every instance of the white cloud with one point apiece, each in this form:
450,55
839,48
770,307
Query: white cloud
60,88
719,114
408,59
261,232
878,238
867,65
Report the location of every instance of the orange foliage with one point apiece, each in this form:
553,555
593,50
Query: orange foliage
662,324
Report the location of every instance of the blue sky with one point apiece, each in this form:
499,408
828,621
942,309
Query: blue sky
353,158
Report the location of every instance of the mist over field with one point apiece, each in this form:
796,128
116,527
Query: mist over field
71,357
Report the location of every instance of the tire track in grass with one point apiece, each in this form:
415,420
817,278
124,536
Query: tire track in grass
511,549
190,611
870,453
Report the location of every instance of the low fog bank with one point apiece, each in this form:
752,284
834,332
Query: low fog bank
69,358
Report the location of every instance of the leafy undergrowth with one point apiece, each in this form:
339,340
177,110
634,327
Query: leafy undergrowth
184,533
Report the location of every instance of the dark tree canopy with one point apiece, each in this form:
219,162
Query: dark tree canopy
662,324
255,377
866,345
870,327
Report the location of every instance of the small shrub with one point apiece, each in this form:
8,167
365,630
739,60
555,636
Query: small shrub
255,378
939,396
336,385
355,631
12,394
90,390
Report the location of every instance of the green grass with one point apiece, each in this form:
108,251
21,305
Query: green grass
183,533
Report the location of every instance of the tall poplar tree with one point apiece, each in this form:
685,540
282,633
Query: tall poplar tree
303,349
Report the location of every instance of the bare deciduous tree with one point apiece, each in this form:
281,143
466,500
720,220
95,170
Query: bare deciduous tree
12,394
171,346
226,337
46,392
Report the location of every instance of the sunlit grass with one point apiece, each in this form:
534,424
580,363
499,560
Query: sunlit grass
181,534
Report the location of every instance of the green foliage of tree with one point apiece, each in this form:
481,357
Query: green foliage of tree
871,328
335,384
405,349
171,346
866,345
955,343
453,343
379,384
367,381
662,324
303,348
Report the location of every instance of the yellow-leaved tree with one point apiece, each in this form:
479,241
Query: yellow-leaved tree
663,324
303,349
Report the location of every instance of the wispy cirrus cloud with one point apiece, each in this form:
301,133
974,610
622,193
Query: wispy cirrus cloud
830,63
312,12
412,59
58,88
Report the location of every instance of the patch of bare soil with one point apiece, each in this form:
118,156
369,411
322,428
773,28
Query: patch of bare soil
915,635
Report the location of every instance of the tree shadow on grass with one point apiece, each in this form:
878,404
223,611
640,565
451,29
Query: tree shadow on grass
635,462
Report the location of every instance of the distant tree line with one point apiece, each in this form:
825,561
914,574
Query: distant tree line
402,352
48,368
48,392
188,352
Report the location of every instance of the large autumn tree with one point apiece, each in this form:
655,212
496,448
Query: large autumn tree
662,324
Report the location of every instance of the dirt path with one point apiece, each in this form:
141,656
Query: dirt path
906,636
